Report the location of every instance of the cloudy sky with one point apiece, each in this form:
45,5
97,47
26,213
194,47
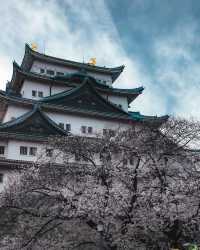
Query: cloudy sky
157,40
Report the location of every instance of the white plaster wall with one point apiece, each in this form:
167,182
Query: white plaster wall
14,150
38,65
14,111
28,86
102,77
119,100
77,121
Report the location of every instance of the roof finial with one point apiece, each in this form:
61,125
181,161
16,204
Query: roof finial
93,61
34,46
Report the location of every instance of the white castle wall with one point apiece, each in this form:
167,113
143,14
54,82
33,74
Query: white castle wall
38,65
28,86
119,100
76,122
14,150
14,112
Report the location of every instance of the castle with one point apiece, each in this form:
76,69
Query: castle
51,96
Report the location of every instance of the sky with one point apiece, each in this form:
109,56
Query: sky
158,41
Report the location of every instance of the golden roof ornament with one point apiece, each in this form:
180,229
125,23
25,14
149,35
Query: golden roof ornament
92,61
34,46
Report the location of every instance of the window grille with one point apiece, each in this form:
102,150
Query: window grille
2,150
23,150
90,130
1,177
34,93
68,127
40,94
33,151
50,72
83,129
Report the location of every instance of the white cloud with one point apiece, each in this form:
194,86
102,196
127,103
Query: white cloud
73,31
178,70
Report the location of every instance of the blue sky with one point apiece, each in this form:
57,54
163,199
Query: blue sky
157,40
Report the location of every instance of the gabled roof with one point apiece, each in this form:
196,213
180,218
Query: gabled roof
85,97
34,124
69,80
50,104
50,107
19,75
31,55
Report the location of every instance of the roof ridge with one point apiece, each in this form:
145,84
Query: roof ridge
30,54
27,46
85,82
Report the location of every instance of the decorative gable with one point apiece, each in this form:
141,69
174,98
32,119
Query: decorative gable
85,98
35,123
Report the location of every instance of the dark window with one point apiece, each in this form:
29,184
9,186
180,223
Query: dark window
1,178
83,129
34,92
40,94
59,73
42,71
61,125
13,118
90,130
120,106
32,151
2,150
49,152
68,127
50,72
23,150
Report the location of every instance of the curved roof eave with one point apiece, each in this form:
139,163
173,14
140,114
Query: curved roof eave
136,116
70,92
19,75
59,108
27,115
30,55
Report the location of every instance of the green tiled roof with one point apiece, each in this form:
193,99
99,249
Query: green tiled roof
59,108
19,75
32,124
136,116
86,97
30,55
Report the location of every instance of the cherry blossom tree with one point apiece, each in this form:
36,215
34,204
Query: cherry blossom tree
137,189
